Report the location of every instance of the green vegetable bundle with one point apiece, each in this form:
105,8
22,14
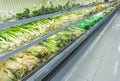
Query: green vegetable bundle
86,24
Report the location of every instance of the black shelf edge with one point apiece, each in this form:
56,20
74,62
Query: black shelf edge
36,41
45,70
17,22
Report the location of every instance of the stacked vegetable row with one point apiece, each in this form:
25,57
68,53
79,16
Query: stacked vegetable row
16,36
41,10
37,11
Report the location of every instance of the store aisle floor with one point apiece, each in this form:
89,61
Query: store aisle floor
98,59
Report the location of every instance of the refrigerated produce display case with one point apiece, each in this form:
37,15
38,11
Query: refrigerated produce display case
37,35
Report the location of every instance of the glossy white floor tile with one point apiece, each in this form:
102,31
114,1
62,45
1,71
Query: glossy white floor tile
86,67
65,75
109,69
108,72
113,52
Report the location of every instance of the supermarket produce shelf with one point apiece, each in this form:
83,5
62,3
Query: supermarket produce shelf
36,41
48,67
13,23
